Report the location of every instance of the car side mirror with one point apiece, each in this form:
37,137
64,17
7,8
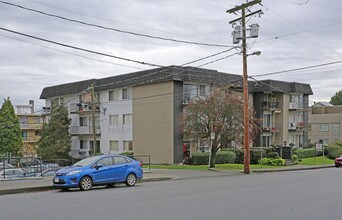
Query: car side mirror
98,166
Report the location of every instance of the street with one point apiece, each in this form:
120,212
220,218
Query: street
304,195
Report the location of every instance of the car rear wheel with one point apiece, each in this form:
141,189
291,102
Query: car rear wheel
131,179
86,183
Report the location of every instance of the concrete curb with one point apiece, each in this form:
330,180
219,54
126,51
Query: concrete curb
47,188
291,169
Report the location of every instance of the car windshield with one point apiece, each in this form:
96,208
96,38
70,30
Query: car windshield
86,161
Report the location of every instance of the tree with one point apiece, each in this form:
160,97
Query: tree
55,142
220,113
11,140
337,98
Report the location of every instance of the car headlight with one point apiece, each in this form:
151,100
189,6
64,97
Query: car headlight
73,172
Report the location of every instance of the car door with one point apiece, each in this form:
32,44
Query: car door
103,174
119,169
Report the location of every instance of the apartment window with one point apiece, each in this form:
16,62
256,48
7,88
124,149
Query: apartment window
127,119
113,95
127,146
114,145
113,120
24,134
126,94
202,90
39,120
83,121
323,127
324,141
189,91
83,144
98,149
336,128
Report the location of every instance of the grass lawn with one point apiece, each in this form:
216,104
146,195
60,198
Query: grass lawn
205,167
316,161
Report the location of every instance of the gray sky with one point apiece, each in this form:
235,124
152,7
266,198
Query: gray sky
293,34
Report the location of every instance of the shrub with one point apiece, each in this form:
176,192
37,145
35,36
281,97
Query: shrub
306,153
222,157
239,155
294,158
334,151
255,154
272,161
273,155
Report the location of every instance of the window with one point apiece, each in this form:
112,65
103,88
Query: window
113,120
106,162
83,144
24,135
127,146
336,128
127,119
113,95
119,160
202,90
114,145
126,94
323,127
83,121
98,149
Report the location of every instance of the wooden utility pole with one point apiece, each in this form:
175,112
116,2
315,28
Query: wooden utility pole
245,77
93,117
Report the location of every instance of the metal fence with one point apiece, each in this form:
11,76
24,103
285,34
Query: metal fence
28,167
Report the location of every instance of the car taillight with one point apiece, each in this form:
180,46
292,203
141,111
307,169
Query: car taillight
140,164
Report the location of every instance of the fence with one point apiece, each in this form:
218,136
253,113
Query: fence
25,167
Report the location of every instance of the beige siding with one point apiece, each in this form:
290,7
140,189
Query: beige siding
153,121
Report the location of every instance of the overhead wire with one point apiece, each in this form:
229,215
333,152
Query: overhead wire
115,29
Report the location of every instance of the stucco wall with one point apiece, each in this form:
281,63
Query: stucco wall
153,118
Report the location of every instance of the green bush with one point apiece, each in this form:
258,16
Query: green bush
334,151
273,155
307,153
294,158
255,154
272,162
222,157
239,155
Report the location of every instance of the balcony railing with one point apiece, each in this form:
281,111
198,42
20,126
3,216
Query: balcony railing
295,105
77,130
271,105
84,107
270,127
296,125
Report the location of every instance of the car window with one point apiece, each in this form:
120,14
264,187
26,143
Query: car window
106,161
119,160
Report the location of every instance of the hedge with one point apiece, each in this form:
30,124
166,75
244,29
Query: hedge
334,151
272,161
308,152
222,157
255,154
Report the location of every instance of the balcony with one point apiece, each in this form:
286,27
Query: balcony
25,126
296,125
31,139
79,130
84,107
271,105
295,105
270,127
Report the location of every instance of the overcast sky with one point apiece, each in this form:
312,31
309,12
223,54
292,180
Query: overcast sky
293,34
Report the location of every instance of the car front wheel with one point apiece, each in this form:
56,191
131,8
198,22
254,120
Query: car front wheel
86,183
131,179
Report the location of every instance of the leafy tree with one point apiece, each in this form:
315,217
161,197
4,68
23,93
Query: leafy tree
11,140
220,113
337,98
55,142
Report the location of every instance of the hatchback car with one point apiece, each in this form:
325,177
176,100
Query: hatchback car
99,170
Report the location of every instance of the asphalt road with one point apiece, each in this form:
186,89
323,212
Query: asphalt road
303,195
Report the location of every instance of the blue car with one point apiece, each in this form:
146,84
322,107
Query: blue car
99,170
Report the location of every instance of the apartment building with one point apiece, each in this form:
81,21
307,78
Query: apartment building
283,108
139,111
325,121
31,124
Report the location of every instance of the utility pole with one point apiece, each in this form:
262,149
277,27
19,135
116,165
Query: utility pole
240,34
93,117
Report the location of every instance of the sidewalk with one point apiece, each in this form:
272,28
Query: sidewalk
45,183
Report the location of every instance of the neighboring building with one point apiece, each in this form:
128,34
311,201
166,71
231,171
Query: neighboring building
283,107
138,112
31,125
325,124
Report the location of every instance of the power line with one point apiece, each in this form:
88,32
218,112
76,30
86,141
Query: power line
115,29
298,69
81,49
218,59
74,54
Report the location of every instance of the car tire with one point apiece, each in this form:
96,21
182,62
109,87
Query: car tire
85,183
131,179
